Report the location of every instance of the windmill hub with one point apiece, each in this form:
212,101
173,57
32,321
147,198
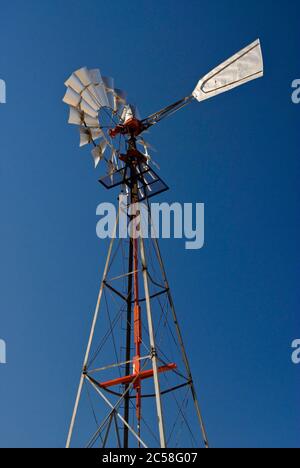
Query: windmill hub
132,127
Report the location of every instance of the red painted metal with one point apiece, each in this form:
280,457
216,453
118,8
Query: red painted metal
142,376
133,127
137,331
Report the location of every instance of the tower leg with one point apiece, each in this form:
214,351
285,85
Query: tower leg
181,343
88,350
153,349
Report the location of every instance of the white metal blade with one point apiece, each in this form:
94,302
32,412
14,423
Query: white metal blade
145,144
98,88
78,117
74,83
75,116
246,65
109,85
128,113
88,97
84,76
111,169
87,109
95,76
72,98
98,152
90,122
119,100
88,135
149,157
113,155
85,137
101,95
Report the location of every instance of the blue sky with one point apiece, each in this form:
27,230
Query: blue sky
238,298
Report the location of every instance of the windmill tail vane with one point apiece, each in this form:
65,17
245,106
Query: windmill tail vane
146,395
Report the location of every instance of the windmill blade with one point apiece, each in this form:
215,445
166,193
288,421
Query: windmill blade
89,97
119,100
146,153
90,122
72,98
89,135
111,169
95,76
87,84
150,159
145,144
87,92
76,116
109,85
100,94
98,90
85,107
129,112
74,83
127,191
113,157
84,76
245,66
98,153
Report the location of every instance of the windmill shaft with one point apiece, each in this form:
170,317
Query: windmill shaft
128,341
133,267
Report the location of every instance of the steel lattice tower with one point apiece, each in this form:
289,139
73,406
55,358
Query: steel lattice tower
146,308
136,387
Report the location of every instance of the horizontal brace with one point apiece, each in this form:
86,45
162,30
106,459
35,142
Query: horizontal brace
141,376
160,293
93,371
164,392
124,276
115,291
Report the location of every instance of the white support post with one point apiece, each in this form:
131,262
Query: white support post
153,349
182,347
88,350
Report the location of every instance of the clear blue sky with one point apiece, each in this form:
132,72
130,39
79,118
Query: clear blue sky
238,298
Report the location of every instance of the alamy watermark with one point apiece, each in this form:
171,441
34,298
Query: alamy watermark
2,342
296,92
296,352
296,343
2,92
2,352
180,221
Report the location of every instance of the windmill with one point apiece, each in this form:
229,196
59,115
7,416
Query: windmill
136,375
